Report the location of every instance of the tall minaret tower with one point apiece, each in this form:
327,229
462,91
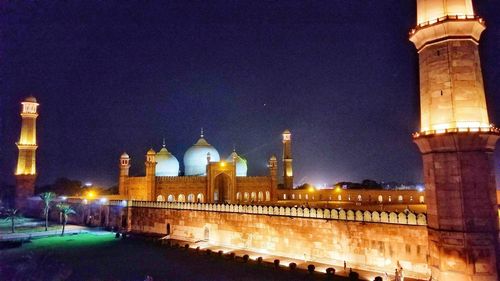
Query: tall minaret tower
26,162
272,164
456,142
124,172
150,164
287,160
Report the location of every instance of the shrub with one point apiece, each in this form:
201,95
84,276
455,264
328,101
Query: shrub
197,249
378,278
311,268
186,246
330,271
292,266
245,258
117,235
220,252
276,263
353,276
209,252
232,256
259,260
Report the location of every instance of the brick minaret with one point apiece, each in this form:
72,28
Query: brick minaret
124,172
287,160
150,176
26,162
456,142
273,173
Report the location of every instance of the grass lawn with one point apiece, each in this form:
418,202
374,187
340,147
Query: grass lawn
102,257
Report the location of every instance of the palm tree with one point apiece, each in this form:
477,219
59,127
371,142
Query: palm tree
65,211
47,198
13,216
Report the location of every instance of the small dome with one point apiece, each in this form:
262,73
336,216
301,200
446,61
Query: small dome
125,155
195,158
273,158
30,99
151,152
241,164
286,132
167,165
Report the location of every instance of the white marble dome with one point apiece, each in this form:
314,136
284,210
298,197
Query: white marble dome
241,164
167,165
195,158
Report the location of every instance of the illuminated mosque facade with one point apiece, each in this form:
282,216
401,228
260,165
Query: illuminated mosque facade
206,177
458,240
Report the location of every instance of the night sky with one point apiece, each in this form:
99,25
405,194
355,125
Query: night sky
114,77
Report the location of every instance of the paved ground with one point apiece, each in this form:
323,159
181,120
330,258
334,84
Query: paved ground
320,267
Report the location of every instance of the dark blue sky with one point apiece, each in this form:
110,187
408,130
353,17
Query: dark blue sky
114,77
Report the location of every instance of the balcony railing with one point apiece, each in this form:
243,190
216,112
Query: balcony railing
446,18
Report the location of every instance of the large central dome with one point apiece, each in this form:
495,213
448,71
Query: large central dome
167,164
195,158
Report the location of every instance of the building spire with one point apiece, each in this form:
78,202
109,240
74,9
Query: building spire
201,134
163,142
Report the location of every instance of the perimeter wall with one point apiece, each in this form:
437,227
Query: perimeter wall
324,236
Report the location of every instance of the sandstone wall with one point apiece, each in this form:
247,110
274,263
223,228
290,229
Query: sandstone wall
377,246
136,187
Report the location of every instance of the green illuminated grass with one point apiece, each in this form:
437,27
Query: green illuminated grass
102,257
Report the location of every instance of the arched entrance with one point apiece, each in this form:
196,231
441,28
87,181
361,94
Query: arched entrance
222,183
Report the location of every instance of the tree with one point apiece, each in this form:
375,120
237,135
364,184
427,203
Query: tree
65,211
13,215
368,183
47,198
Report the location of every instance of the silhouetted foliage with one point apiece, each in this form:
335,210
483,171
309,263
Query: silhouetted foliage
63,186
7,195
311,268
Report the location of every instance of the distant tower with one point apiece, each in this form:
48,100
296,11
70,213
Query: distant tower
150,175
456,142
26,162
287,160
273,173
124,171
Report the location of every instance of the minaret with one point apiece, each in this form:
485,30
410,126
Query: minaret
26,162
273,173
150,175
456,142
287,160
124,172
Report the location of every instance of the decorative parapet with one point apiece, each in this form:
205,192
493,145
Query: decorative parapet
253,178
315,213
182,179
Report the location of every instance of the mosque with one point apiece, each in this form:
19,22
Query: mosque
206,177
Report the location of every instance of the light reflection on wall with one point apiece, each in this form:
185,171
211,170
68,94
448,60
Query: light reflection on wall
431,10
